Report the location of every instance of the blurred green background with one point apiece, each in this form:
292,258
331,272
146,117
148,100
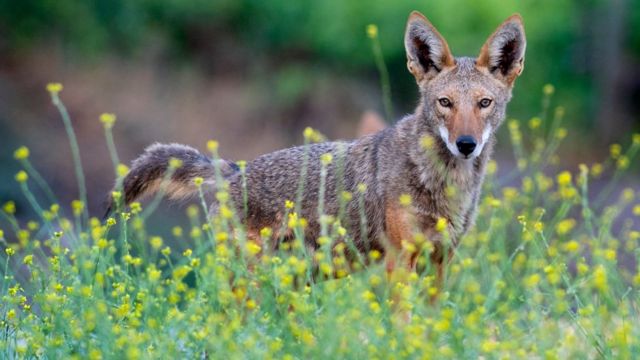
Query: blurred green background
253,74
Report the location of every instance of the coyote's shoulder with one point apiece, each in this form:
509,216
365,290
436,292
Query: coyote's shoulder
418,176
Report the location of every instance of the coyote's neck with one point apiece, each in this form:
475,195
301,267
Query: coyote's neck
453,184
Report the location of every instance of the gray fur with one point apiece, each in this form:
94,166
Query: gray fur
390,163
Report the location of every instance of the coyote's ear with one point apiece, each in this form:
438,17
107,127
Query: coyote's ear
503,53
427,51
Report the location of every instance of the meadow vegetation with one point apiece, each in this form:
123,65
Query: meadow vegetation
550,270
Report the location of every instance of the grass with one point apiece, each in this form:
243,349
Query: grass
550,270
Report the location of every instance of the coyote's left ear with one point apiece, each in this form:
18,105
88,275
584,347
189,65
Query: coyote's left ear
503,53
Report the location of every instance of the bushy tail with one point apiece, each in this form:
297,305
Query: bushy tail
151,172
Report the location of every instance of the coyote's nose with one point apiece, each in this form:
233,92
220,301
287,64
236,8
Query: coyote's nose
466,144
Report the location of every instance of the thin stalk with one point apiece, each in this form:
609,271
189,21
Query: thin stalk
385,84
39,180
75,151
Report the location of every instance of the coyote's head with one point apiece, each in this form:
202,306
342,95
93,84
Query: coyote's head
463,99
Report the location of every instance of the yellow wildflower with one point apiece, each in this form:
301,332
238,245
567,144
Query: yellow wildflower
107,120
22,176
372,31
21,153
54,88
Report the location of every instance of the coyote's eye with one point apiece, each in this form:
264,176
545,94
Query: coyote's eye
444,102
484,103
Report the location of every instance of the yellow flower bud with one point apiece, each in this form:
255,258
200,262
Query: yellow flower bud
107,120
212,146
21,153
54,88
405,199
372,31
22,176
441,224
174,163
326,159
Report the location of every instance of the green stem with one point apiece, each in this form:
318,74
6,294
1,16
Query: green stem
385,84
75,151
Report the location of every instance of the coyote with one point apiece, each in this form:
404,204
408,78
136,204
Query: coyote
425,171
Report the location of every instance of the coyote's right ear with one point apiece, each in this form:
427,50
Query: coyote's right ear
427,51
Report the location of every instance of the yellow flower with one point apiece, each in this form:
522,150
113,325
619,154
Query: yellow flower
107,120
615,150
375,254
198,180
136,207
548,89
289,204
636,139
599,280
77,207
174,163
405,199
489,346
326,159
532,280
372,31
565,226
102,243
610,254
122,170
187,253
311,135
212,146
54,88
10,251
535,122
572,246
176,231
166,251
21,153
564,178
441,224
9,207
582,268
22,176
538,226
596,169
253,248
492,167
622,163
561,133
442,325
427,142
27,260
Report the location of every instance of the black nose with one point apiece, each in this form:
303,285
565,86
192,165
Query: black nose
466,144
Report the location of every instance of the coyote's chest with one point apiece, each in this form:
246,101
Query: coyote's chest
450,192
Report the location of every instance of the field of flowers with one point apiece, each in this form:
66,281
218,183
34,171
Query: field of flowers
549,271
